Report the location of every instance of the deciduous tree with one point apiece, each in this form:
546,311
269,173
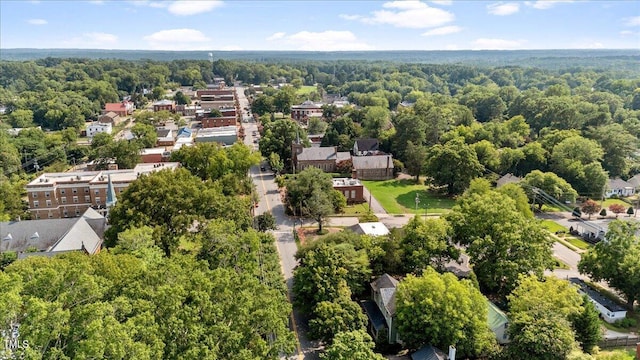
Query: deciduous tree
453,165
351,345
616,260
442,310
590,207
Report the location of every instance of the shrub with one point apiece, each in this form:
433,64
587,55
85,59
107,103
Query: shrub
626,323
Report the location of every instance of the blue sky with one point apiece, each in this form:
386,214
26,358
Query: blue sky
320,25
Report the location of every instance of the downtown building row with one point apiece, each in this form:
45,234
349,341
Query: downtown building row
69,194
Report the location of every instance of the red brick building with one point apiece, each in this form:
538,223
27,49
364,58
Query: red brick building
210,122
123,108
352,189
164,105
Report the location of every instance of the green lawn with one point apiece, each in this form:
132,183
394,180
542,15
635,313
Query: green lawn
399,197
553,226
356,210
577,242
610,202
306,90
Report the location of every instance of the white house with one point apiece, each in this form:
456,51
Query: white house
498,323
619,187
97,127
608,309
635,181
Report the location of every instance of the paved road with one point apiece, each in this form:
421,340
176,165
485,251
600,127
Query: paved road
270,202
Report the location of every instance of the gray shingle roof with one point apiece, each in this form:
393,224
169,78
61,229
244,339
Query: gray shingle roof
386,285
618,183
367,144
318,153
596,295
635,181
428,353
372,162
54,235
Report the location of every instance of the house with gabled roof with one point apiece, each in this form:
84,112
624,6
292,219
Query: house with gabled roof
363,147
608,309
619,187
507,179
381,310
123,108
50,237
498,323
635,181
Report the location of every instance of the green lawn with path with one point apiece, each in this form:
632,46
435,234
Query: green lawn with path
399,197
610,202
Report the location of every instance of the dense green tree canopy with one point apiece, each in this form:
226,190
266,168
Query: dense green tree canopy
170,201
616,260
501,241
453,165
441,310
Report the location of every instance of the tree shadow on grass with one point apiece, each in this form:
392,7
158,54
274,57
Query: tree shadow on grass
401,183
427,200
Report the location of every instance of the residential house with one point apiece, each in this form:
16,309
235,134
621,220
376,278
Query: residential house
375,167
53,236
459,267
182,141
381,311
122,109
96,127
225,135
352,189
324,158
306,110
161,105
370,228
184,132
430,352
635,181
69,194
608,309
362,147
619,187
110,118
498,323
315,139
507,179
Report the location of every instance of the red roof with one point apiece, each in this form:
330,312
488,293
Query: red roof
115,107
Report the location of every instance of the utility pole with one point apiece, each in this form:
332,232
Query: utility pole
417,201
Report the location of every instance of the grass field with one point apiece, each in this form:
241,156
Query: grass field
553,226
577,242
357,210
399,197
306,90
610,202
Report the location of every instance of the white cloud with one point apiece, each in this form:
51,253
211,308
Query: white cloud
276,36
192,7
502,9
37,21
442,2
497,44
330,40
96,2
93,40
445,30
632,21
406,14
545,4
178,39
626,32
181,8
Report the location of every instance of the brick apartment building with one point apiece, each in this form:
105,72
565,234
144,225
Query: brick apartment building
62,195
164,105
352,189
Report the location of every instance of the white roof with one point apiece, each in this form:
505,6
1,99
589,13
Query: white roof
373,228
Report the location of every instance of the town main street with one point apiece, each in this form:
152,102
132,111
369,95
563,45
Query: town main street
270,201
